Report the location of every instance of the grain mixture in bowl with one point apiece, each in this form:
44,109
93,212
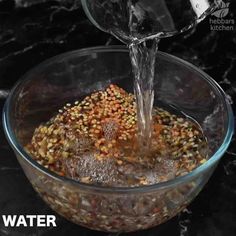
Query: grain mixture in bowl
96,141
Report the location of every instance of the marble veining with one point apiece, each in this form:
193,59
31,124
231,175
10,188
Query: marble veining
34,30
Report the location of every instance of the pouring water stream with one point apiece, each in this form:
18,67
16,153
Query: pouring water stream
141,24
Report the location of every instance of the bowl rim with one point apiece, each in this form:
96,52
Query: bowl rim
19,150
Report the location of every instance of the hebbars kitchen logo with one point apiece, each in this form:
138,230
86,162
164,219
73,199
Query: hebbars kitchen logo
222,9
218,20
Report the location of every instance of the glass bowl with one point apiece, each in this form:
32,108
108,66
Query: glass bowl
73,75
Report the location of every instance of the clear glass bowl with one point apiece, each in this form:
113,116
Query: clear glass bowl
71,76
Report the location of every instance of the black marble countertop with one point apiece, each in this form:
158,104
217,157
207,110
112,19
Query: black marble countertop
33,30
